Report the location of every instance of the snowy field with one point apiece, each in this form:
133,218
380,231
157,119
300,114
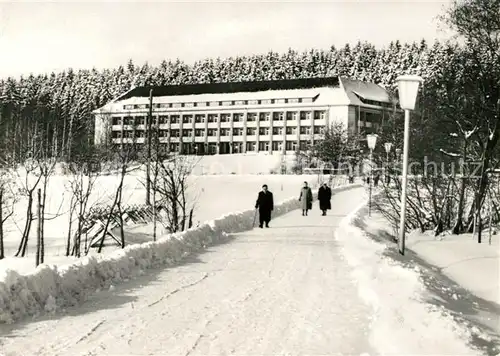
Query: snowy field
242,164
213,196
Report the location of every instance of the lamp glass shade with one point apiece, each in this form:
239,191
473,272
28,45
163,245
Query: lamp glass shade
388,146
408,90
371,140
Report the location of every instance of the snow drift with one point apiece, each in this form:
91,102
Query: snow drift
50,288
401,323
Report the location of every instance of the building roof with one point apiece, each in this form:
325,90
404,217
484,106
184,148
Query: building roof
315,93
230,87
341,91
356,89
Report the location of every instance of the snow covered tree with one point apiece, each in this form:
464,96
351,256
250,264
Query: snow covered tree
338,148
477,22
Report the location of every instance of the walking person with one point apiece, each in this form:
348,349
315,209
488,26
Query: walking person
376,179
265,204
306,198
325,197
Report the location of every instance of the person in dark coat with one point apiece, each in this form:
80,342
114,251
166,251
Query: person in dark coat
265,204
306,198
324,197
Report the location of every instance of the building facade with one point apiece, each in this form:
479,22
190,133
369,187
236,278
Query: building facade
224,118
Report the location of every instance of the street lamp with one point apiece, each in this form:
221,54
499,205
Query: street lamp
387,146
408,90
371,140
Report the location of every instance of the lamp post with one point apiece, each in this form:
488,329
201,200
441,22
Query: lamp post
408,90
371,140
387,146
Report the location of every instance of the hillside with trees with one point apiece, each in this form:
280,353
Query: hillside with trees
52,112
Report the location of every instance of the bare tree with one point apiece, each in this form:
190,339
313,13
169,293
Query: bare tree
465,137
47,169
29,184
124,155
172,187
7,201
478,24
84,173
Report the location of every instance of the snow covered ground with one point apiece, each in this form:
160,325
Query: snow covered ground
307,285
215,195
242,164
445,297
403,323
278,291
223,195
472,265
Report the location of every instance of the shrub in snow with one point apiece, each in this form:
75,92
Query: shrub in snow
50,287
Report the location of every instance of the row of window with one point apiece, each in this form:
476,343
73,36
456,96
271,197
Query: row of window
237,131
236,117
238,146
370,117
219,103
376,103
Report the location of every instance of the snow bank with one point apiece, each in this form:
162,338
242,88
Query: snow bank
401,322
462,259
49,288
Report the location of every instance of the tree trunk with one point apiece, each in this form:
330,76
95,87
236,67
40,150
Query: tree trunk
2,252
71,212
63,145
190,225
42,222
70,139
113,206
459,222
39,228
120,217
154,211
21,251
81,218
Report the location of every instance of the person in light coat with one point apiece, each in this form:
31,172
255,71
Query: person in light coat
306,198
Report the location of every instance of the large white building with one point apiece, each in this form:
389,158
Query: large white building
269,116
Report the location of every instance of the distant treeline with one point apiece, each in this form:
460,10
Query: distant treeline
52,113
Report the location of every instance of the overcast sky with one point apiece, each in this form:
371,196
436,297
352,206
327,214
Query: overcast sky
47,36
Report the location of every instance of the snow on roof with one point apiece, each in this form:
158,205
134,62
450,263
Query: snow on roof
232,87
324,91
365,90
321,96
260,95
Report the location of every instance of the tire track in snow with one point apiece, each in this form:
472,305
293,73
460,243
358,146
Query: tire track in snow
62,346
201,336
175,291
94,328
129,337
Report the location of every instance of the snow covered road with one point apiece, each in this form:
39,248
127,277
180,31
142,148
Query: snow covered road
282,290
